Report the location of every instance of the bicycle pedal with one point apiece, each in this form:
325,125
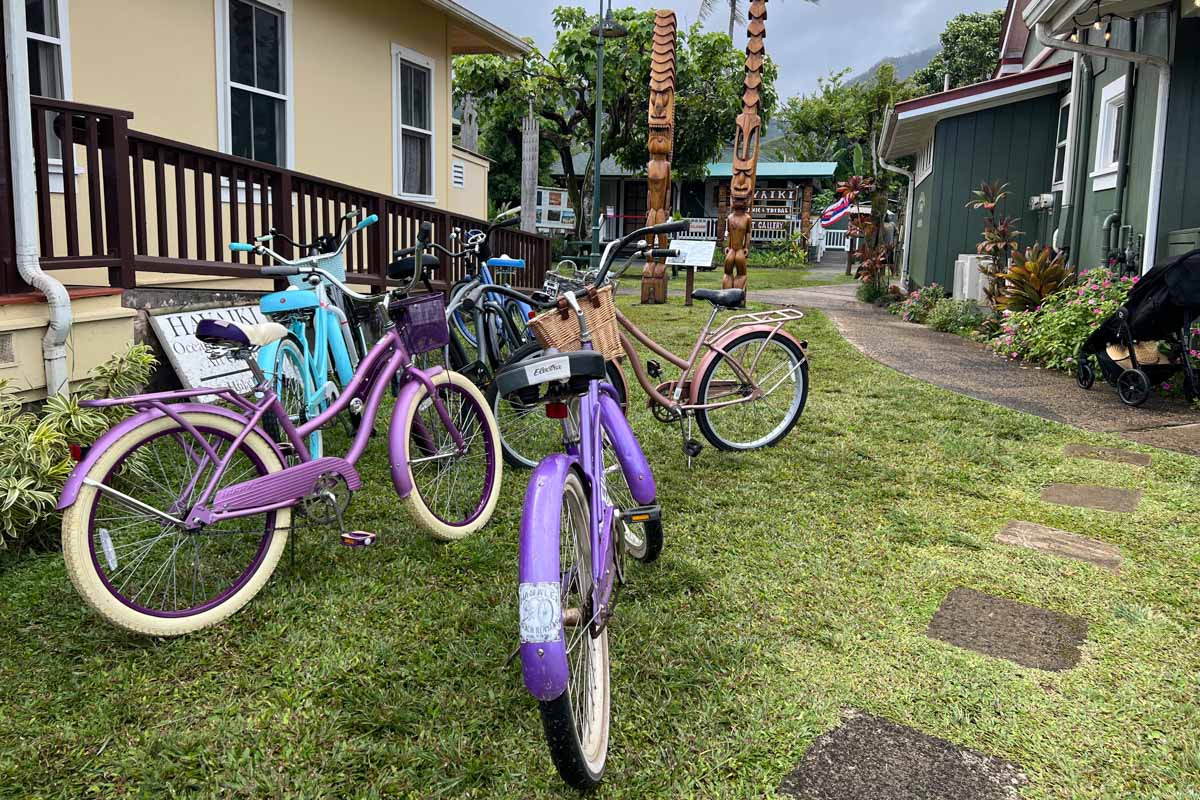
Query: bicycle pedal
692,448
653,369
358,539
642,514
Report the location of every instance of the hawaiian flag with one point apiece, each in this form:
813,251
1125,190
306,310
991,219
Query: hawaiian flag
833,214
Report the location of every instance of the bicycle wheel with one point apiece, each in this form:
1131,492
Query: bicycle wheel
644,541
526,434
576,723
779,369
454,494
156,578
294,385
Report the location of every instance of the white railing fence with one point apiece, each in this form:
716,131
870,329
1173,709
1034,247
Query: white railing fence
837,240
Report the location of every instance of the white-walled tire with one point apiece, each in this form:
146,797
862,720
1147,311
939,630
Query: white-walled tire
83,529
432,501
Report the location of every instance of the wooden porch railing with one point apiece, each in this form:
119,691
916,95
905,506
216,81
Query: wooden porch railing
146,204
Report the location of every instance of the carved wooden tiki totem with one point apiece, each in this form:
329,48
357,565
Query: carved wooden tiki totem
662,145
745,152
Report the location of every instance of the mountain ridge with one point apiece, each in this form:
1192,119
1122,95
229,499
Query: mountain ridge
906,65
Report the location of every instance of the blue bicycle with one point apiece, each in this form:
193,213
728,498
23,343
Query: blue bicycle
508,329
317,359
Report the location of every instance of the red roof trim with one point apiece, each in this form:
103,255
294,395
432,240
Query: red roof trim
1006,82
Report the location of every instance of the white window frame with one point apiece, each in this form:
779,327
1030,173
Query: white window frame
1063,144
225,86
924,162
63,42
401,53
1104,172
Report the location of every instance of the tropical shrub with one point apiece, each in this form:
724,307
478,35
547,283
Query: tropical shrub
1034,275
917,305
35,457
953,316
1000,237
1051,334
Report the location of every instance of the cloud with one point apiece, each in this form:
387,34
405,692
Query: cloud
807,41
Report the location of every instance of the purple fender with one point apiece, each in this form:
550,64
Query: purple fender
543,644
399,461
710,356
75,480
629,452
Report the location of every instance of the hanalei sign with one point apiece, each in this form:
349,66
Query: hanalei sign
190,358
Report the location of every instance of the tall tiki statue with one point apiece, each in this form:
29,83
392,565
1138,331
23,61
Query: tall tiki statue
745,152
662,143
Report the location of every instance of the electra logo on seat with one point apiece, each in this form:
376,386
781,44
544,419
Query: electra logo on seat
556,369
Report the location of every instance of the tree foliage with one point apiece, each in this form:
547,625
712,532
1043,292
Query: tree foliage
561,86
970,51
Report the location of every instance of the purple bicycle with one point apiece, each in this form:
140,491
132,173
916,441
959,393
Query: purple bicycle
585,510
175,518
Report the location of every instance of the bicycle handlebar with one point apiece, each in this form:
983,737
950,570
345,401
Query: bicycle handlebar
615,246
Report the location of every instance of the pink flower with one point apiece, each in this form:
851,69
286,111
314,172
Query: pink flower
1194,353
1014,355
1070,361
1097,310
1082,292
1135,280
1166,387
1107,284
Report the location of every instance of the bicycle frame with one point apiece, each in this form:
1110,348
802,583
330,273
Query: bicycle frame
369,384
711,343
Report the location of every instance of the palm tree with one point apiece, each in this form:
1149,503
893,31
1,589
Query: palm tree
707,7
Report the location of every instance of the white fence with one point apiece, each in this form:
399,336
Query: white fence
706,228
837,240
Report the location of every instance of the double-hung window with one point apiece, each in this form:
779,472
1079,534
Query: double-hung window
256,91
413,130
1062,136
1108,143
47,41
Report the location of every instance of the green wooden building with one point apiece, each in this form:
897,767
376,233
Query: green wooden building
1092,118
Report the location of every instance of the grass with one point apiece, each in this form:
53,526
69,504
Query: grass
768,278
795,583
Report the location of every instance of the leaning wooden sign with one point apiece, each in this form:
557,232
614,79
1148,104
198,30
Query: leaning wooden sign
190,358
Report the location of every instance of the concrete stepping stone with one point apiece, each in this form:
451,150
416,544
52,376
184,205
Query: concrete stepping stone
1105,498
871,758
1113,455
1061,543
1024,634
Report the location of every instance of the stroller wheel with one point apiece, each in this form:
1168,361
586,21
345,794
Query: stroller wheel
1085,374
1134,387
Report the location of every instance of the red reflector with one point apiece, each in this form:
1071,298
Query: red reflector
532,313
76,453
556,410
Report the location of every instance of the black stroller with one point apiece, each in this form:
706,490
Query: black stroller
1148,339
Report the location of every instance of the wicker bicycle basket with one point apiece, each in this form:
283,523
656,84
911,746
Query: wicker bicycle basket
560,329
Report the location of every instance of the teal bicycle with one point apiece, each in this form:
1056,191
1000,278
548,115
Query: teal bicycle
326,339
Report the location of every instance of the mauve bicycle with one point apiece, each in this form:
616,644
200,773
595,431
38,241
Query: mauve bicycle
585,510
175,518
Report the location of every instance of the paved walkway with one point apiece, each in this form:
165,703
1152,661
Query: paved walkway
969,368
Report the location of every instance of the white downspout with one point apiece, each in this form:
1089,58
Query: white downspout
1042,32
25,229
908,216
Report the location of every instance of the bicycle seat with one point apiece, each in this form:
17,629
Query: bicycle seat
506,263
223,332
405,268
574,370
289,300
725,298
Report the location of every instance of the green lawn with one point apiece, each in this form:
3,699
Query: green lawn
795,583
768,278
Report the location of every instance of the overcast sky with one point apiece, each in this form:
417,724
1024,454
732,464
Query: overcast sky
806,41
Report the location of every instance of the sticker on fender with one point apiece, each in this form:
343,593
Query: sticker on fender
541,613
